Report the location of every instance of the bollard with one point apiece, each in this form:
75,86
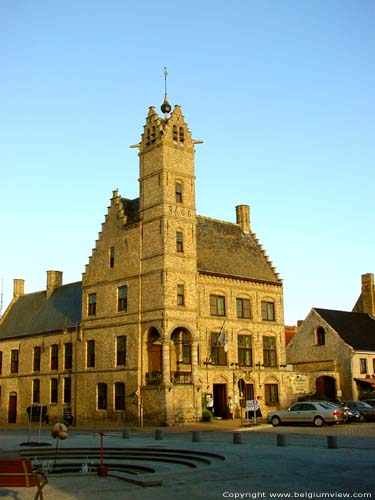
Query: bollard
237,438
126,434
280,440
158,434
331,442
196,436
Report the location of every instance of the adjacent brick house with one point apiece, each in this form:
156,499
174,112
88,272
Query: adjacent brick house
174,310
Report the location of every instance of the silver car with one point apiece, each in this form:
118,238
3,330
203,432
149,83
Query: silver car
317,413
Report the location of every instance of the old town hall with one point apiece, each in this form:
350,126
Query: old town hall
175,313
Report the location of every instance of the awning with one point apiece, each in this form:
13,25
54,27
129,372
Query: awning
367,380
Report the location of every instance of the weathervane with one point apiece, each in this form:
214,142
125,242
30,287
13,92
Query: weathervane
165,107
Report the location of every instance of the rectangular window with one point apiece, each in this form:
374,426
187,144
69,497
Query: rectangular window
91,304
14,361
90,354
121,351
243,308
271,394
1,362
217,305
122,300
102,396
245,351
180,295
112,257
68,356
268,311
179,241
54,357
363,365
67,390
178,192
218,354
269,351
54,390
186,353
36,359
36,391
119,396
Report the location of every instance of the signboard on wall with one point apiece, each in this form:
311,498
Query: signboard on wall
300,383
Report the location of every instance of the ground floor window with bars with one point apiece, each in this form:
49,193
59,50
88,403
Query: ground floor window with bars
271,394
102,396
119,396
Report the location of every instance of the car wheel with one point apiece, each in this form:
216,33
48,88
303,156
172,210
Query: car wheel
362,418
275,421
318,422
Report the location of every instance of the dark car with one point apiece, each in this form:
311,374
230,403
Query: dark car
351,415
366,411
370,402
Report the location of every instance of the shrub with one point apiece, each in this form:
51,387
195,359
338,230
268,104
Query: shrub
207,416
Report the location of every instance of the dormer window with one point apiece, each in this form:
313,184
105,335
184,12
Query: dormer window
153,135
320,336
174,133
148,139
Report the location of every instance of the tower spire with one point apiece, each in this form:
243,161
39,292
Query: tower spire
165,107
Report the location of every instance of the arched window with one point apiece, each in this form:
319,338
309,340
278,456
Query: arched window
181,134
320,337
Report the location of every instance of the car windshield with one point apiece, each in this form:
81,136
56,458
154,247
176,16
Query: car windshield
362,404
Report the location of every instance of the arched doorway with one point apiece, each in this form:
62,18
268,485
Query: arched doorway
12,408
326,388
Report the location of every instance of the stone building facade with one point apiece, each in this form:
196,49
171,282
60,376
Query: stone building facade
175,313
341,341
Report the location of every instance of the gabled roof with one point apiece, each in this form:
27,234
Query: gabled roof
356,329
34,313
224,249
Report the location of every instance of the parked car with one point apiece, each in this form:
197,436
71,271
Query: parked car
366,411
351,415
317,413
370,402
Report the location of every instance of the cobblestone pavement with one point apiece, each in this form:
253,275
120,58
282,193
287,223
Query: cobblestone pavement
254,466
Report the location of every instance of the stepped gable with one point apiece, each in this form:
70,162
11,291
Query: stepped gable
34,314
223,249
356,329
159,130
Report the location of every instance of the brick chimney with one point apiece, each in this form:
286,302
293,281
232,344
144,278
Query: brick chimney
18,288
54,280
243,217
368,294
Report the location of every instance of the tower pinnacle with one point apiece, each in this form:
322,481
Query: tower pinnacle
165,107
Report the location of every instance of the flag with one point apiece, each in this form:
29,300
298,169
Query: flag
222,339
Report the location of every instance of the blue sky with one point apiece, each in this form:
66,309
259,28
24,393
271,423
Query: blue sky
281,92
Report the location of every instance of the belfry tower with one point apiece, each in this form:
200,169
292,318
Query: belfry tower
168,256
